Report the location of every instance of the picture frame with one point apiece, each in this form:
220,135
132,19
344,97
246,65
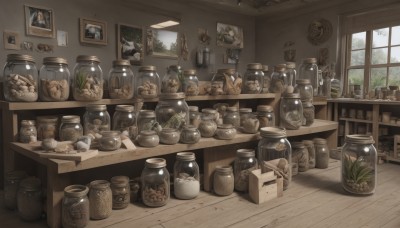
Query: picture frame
92,31
11,40
130,43
62,38
162,43
230,36
39,21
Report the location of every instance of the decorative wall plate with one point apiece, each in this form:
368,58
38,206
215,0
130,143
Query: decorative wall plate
319,31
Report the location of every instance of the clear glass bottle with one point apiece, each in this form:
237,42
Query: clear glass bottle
70,128
194,116
245,162
96,119
309,144
291,73
20,78
266,115
232,116
100,198
27,131
359,165
186,176
305,89
321,153
155,183
190,135
224,181
267,79
253,79
75,206
207,127
47,127
169,136
276,151
226,81
12,180
191,83
172,110
308,113
29,199
121,80
146,120
171,82
279,79
124,120
110,140
54,79
87,79
147,82
120,192
291,111
300,156
309,70
225,131
148,138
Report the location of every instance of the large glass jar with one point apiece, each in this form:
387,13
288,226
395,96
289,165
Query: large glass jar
207,127
224,181
189,135
309,70
124,120
245,162
279,79
321,153
226,81
96,119
275,152
253,79
186,176
27,131
75,206
359,164
100,198
120,192
172,110
146,120
194,116
171,82
120,80
47,127
291,73
308,113
291,111
266,115
20,78
110,140
300,156
305,89
54,78
232,117
155,183
70,128
147,82
267,79
29,199
12,180
190,83
88,79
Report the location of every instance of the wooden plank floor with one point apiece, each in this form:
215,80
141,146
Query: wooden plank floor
314,199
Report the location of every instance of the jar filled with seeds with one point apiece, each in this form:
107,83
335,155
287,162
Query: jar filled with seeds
54,79
169,136
291,111
124,120
70,128
266,115
300,156
75,206
172,110
146,120
88,79
100,198
207,127
191,83
120,80
253,79
309,144
321,153
27,131
226,81
186,176
47,127
309,70
120,192
155,183
267,79
245,162
29,199
171,82
147,82
308,113
232,117
190,135
12,180
20,78
305,89
194,116
96,119
148,138
279,79
225,131
110,140
224,181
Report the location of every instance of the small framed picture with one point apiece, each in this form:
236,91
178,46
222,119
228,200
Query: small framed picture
162,43
93,31
62,38
229,36
11,40
130,45
39,21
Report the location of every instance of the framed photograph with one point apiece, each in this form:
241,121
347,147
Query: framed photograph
130,45
39,21
232,56
162,43
62,38
11,40
93,31
229,36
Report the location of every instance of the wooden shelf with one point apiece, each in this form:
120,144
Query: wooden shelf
356,120
362,101
316,127
389,124
231,97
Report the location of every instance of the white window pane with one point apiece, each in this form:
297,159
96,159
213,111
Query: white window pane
379,56
357,58
395,55
356,77
394,76
358,40
395,35
380,37
378,77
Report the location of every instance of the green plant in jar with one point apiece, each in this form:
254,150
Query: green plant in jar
357,175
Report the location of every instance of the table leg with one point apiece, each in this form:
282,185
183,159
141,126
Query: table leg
55,193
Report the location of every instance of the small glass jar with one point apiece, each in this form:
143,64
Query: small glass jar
186,176
124,120
326,85
305,89
88,79
224,181
148,138
29,199
309,144
12,180
226,81
309,70
120,192
172,110
359,165
300,156
194,116
155,183
308,113
291,73
190,83
213,114
96,119
20,78
70,128
171,82
275,150
279,79
321,153
245,162
251,124
189,135
100,198
110,140
291,111
207,127
267,79
54,78
120,80
146,120
253,79
266,115
147,82
244,113
75,206
169,136
232,117
225,131
27,131
47,127
336,87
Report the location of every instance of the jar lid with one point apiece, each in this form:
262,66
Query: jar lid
254,66
96,107
156,162
71,119
232,109
47,119
30,183
225,126
299,145
147,113
185,156
190,127
360,139
19,57
148,132
307,104
172,96
319,141
125,108
119,181
87,58
272,132
308,142
265,68
245,153
193,109
310,60
54,60
189,72
223,169
245,110
110,133
169,130
121,62
15,175
280,67
147,68
291,95
28,122
99,184
303,81
229,71
265,108
290,65
209,111
76,191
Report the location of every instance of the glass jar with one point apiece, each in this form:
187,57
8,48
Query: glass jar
194,116
29,199
146,120
226,81
336,87
225,131
251,124
326,85
172,110
244,113
171,82
213,114
75,206
120,192
321,153
309,144
147,82
12,180
232,117
300,156
124,120
275,152
308,113
359,164
148,138
155,183
169,136
87,79
20,78
253,79
190,83
245,162
309,70
27,131
186,176
54,78
207,127
305,89
100,198
96,119
110,140
224,181
279,79
291,111
120,80
267,79
70,128
47,127
190,135
291,73
266,115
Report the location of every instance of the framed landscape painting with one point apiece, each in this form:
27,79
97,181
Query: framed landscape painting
162,43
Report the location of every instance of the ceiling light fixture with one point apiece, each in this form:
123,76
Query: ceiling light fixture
164,24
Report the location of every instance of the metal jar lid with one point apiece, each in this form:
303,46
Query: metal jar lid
265,68
76,191
360,139
193,108
147,68
280,67
254,66
156,162
265,108
121,62
304,81
292,95
245,153
147,114
223,169
87,58
172,96
28,122
310,60
225,126
71,119
125,108
290,65
54,60
209,111
272,132
119,181
319,141
19,57
189,72
245,110
96,107
99,184
232,109
185,156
